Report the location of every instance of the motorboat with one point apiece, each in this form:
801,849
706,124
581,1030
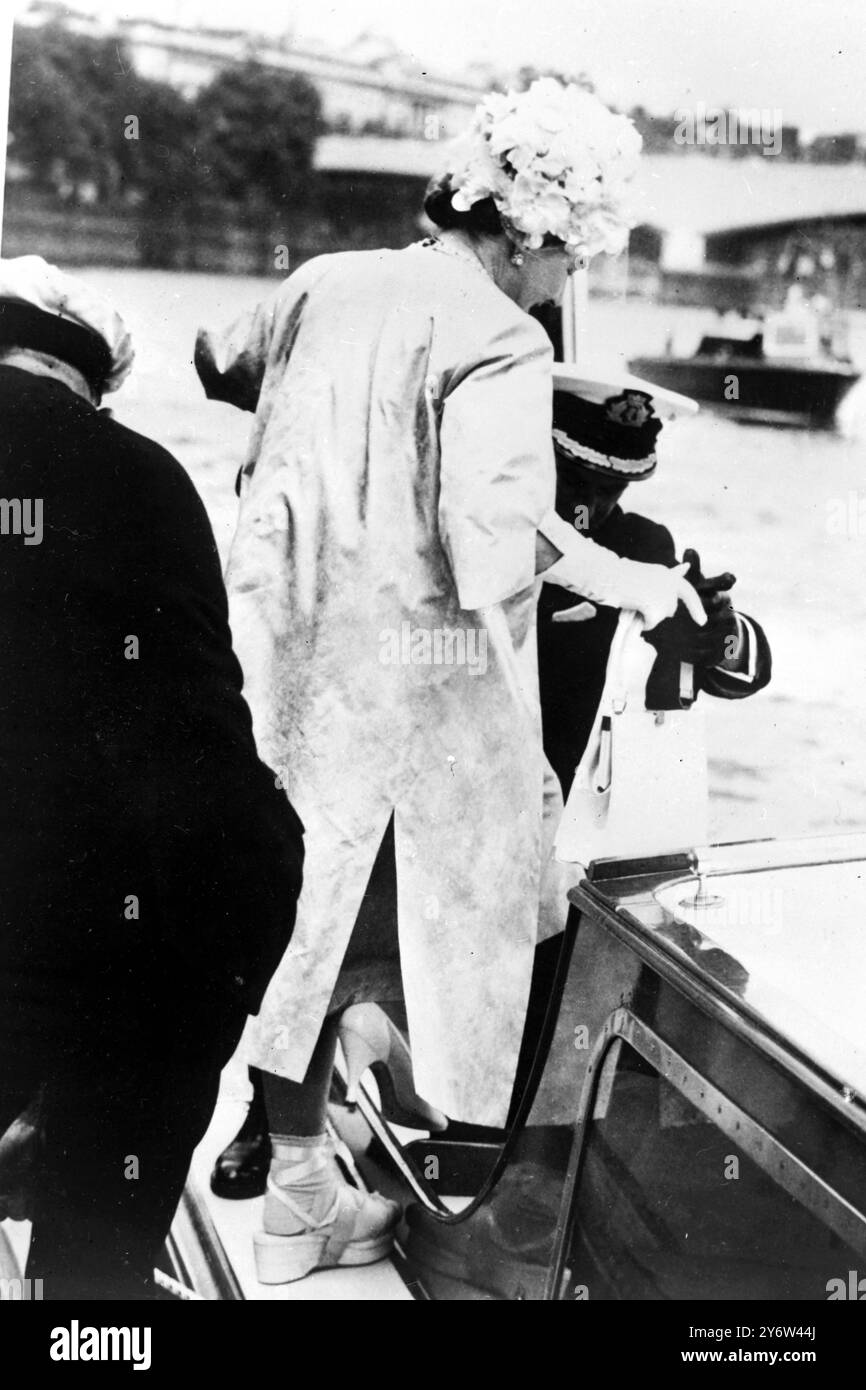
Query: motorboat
786,370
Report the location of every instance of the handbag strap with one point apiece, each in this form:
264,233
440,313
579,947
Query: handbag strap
616,692
595,762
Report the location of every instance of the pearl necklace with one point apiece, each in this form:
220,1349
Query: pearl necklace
460,253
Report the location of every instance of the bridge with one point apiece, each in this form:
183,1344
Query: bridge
691,209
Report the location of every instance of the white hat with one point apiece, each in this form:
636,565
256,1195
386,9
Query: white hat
599,387
73,313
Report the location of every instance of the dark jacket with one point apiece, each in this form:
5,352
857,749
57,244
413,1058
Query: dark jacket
572,657
127,757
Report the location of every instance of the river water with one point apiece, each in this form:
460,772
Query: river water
759,501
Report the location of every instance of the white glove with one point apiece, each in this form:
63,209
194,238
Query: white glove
593,572
581,613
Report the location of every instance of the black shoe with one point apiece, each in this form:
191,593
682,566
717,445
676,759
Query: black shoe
241,1171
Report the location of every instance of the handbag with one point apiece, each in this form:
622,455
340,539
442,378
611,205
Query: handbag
641,786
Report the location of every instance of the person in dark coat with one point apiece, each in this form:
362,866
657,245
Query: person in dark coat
151,864
605,434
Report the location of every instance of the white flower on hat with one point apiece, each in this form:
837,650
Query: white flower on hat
555,161
31,280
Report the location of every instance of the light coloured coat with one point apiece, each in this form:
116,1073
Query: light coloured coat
382,591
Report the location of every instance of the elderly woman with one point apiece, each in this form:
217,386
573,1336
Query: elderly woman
398,504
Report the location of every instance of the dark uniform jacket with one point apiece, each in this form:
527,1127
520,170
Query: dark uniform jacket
141,838
573,656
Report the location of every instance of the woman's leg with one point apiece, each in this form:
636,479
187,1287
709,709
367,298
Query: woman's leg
372,962
312,1218
282,1107
300,1108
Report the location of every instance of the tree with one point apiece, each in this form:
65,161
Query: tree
527,75
57,117
162,165
258,133
71,101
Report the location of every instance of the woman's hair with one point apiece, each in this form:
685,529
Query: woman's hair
482,219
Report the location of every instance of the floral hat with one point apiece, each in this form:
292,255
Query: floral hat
556,163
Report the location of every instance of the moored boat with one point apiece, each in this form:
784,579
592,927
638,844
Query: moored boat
785,372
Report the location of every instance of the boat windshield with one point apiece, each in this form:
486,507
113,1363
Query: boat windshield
794,336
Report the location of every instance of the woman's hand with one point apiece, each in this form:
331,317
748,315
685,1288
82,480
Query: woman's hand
597,574
658,590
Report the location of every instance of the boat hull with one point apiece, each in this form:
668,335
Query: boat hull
763,392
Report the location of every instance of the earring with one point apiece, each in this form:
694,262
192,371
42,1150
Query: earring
517,258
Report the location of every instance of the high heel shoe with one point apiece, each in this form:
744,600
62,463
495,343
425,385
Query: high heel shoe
369,1039
241,1171
313,1219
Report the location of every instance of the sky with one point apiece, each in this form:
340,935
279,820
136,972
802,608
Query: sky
804,58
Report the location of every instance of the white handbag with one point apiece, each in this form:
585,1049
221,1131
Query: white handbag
641,786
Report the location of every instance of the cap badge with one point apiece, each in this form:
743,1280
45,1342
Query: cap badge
632,408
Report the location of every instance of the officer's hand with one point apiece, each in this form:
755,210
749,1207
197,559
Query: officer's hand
713,590
680,639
